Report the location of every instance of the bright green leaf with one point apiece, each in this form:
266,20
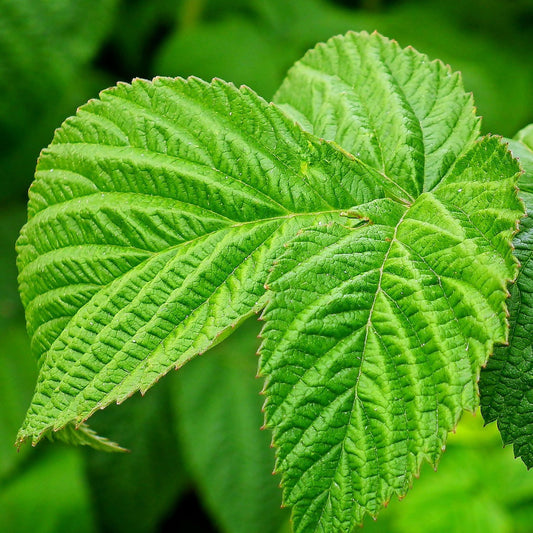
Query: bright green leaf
507,383
154,218
159,210
376,332
393,108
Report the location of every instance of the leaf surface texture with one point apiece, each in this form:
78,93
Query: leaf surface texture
376,332
364,199
507,382
154,217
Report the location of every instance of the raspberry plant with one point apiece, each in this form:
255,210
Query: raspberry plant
360,212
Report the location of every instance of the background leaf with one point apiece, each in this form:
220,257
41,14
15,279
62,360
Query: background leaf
476,39
43,48
17,376
218,407
133,492
507,382
48,498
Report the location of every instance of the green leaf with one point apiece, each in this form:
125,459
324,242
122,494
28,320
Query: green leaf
478,487
375,333
49,496
44,51
507,382
159,210
17,376
153,220
218,407
133,492
340,91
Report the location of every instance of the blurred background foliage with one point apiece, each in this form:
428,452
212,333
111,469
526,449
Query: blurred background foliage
198,460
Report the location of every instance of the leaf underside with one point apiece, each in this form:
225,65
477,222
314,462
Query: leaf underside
506,383
159,210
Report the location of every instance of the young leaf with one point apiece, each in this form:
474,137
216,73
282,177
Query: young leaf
375,334
507,382
153,220
393,108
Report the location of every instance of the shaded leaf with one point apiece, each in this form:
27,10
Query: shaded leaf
133,492
43,48
17,377
216,398
49,497
507,382
478,488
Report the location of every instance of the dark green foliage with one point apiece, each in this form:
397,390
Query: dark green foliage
133,492
218,415
507,382
45,49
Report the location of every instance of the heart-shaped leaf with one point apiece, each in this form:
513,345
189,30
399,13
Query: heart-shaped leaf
160,208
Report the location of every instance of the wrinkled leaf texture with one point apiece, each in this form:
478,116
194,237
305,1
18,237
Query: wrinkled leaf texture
158,212
506,384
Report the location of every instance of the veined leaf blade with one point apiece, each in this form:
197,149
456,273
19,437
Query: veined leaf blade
400,112
506,383
375,336
154,218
